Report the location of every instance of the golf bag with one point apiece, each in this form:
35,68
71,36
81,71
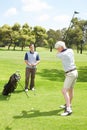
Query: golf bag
12,84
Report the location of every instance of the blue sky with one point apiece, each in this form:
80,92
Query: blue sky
50,14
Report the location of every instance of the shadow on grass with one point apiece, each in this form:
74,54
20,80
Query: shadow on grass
52,74
4,98
7,97
82,71
59,75
37,113
8,128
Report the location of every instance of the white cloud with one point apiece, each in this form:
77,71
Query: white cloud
35,5
11,12
62,18
43,17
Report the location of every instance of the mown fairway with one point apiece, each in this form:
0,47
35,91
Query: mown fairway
41,110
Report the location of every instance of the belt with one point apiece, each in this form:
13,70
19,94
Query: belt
70,70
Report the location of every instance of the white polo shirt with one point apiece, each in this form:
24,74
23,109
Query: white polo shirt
67,58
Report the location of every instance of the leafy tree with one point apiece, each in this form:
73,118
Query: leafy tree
74,34
6,35
25,35
40,36
22,36
53,37
15,34
1,43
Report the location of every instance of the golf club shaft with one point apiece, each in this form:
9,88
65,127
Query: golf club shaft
22,88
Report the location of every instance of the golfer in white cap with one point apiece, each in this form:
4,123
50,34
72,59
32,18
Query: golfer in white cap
67,57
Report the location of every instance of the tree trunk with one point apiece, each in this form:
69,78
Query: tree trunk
81,48
14,47
9,46
51,49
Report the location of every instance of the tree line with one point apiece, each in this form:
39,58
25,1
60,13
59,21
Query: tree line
21,36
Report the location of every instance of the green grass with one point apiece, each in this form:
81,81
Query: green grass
41,110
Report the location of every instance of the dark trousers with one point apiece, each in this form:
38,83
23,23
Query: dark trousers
30,77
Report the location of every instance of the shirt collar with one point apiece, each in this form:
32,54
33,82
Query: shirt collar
64,50
31,52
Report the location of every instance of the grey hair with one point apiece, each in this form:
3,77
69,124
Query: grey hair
60,44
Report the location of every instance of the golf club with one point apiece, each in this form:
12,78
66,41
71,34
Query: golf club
22,88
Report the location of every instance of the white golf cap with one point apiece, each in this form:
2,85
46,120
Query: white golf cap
60,44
